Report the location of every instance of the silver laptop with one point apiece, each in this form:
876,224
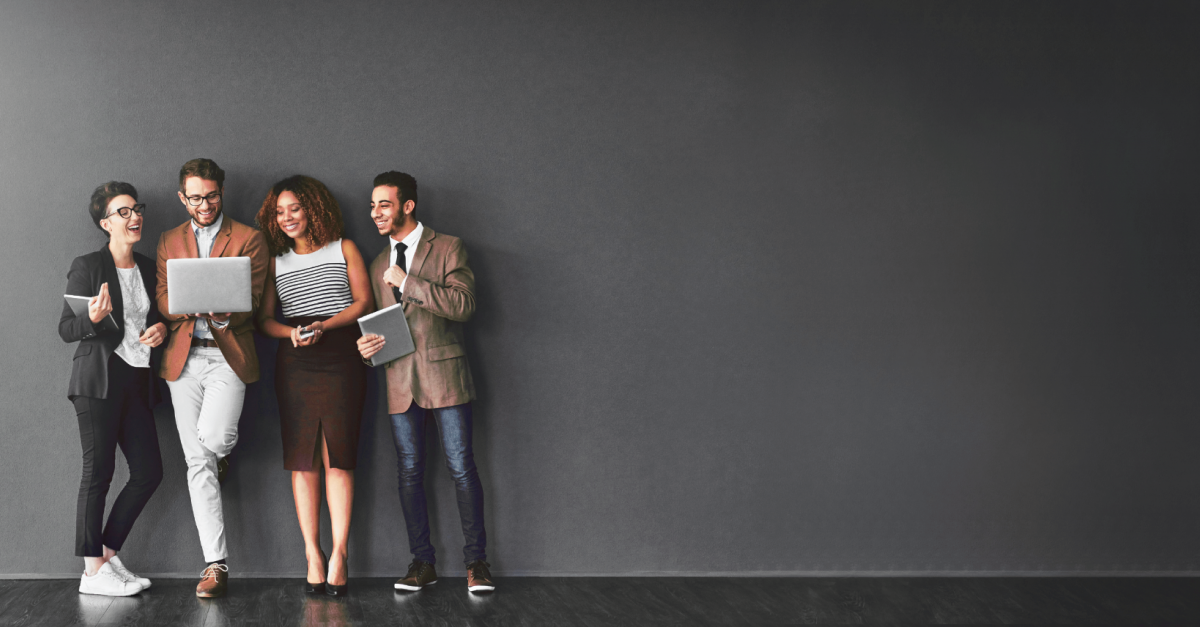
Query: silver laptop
216,285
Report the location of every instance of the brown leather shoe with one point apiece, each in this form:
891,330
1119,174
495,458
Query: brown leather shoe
213,581
479,578
420,574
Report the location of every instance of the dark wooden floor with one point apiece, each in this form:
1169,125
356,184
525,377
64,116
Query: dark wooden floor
627,601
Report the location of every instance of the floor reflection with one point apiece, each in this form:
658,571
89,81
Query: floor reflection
92,608
216,611
476,599
327,611
403,599
120,608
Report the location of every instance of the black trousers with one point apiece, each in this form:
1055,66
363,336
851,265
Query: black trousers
123,419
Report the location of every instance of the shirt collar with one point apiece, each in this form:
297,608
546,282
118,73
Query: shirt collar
209,231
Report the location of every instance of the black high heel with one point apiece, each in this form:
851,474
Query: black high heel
316,588
342,590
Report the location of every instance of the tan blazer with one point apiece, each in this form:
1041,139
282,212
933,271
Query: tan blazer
439,296
237,339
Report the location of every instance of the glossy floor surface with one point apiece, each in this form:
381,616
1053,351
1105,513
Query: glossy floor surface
627,601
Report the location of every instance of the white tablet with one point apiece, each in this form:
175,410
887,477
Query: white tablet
217,285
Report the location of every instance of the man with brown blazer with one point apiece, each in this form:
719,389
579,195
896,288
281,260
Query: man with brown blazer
428,273
209,359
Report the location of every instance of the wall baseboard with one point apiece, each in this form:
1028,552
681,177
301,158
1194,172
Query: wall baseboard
808,574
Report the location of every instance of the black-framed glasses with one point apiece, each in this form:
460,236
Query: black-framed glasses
125,212
196,201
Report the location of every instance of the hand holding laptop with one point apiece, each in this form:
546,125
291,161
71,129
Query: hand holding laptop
215,317
100,305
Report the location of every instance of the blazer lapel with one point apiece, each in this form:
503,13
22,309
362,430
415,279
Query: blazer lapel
189,241
114,289
222,238
422,251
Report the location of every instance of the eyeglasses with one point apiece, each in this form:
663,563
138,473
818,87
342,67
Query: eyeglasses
196,201
125,212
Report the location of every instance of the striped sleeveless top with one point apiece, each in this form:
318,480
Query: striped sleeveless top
315,284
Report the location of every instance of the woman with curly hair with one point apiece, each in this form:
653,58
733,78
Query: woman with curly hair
322,282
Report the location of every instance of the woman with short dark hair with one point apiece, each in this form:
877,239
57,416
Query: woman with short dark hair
112,386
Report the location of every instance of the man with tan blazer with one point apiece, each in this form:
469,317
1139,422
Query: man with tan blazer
428,273
209,359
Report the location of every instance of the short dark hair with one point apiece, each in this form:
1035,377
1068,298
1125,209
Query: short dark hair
206,169
103,195
401,181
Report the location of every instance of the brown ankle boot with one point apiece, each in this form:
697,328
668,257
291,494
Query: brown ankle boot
479,578
420,574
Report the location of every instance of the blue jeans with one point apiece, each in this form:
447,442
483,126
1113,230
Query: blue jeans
454,426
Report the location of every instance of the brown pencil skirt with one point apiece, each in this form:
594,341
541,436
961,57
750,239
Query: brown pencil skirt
321,389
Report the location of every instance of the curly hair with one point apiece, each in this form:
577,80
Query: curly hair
324,216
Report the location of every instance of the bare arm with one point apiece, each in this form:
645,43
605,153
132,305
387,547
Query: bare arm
360,289
267,324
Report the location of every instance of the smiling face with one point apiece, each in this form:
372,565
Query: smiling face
290,216
122,230
391,217
207,212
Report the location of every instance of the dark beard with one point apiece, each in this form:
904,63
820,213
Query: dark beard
395,225
215,216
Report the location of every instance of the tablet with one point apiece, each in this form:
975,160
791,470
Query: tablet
79,305
390,323
216,285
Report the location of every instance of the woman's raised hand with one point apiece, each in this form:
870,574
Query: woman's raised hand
100,305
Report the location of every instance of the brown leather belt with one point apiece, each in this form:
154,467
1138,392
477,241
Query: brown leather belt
201,342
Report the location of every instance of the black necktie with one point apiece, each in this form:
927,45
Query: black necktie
400,248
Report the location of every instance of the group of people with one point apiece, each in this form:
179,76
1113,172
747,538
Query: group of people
300,262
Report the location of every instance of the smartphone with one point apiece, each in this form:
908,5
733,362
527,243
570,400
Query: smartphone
306,333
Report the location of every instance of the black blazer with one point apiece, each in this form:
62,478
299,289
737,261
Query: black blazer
89,370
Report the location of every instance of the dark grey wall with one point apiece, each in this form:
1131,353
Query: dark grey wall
762,287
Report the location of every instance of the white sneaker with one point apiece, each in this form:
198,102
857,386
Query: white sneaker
126,574
107,582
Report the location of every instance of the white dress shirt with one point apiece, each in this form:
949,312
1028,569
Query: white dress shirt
205,236
411,240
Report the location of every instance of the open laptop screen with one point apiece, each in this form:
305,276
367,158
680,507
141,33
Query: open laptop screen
216,285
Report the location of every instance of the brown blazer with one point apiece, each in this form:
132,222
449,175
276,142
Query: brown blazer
439,296
236,340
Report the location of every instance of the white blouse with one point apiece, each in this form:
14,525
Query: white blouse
137,305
